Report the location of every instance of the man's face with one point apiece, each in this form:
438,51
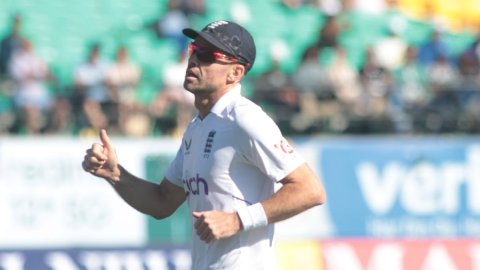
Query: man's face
204,73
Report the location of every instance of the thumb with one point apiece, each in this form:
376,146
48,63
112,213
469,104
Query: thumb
105,140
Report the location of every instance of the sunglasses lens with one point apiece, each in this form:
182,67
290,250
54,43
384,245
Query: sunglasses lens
202,54
208,56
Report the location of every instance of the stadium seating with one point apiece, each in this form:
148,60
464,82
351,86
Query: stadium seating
61,31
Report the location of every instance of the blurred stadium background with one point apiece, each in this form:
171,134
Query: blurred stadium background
381,96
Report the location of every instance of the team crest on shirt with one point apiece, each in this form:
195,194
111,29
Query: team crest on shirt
208,144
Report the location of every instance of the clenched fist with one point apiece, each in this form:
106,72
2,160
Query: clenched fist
215,225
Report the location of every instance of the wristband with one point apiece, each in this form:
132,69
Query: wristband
252,216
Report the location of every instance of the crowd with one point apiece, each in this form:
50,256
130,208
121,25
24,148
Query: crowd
399,88
103,93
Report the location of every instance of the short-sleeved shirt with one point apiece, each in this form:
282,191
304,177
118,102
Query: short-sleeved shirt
231,159
92,76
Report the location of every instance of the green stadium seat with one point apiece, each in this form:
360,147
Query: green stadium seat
417,32
218,9
61,33
459,42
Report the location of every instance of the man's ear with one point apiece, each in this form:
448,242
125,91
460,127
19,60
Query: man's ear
236,73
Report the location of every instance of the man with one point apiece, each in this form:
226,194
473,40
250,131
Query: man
231,156
91,98
31,98
9,45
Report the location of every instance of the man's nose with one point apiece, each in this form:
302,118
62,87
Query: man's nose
193,58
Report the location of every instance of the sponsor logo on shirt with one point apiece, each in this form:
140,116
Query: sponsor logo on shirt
195,186
284,146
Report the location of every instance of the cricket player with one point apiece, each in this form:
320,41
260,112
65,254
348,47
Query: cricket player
231,158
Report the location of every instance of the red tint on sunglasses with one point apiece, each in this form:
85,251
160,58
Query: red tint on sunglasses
208,56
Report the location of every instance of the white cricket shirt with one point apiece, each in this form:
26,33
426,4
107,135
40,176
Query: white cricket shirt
230,159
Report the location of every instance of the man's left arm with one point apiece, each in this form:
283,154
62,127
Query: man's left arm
300,191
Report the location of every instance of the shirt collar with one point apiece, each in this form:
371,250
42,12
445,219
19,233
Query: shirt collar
226,100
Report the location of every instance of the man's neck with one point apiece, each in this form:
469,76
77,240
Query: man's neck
204,102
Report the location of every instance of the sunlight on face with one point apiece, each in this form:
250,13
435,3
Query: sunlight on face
205,77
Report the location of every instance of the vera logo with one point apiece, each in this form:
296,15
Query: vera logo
216,24
195,185
208,144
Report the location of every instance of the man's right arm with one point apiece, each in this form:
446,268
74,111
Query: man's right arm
157,200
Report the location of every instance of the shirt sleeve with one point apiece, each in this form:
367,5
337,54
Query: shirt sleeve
174,171
263,145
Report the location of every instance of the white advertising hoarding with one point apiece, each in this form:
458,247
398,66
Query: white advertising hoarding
47,200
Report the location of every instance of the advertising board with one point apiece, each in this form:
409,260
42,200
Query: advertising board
402,188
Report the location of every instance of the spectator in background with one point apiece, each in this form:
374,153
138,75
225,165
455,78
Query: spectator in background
343,78
469,75
310,75
122,79
317,101
443,109
173,97
345,85
329,32
376,82
442,74
275,91
60,121
411,94
375,79
9,45
193,7
31,97
91,98
389,51
169,26
435,47
468,92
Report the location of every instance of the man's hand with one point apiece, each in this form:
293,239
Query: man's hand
215,225
101,159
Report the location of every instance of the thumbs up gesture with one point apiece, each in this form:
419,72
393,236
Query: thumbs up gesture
101,159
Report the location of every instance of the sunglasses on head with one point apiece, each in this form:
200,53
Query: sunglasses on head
208,56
